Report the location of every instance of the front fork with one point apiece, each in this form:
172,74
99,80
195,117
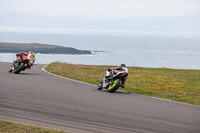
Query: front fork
107,82
15,63
12,68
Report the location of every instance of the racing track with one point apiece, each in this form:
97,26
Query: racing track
39,98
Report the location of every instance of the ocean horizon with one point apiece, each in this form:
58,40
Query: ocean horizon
139,50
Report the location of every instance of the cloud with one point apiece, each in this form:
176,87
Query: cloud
103,9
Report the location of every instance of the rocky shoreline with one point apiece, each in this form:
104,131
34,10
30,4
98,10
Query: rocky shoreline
39,48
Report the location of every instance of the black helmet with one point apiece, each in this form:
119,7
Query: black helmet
122,65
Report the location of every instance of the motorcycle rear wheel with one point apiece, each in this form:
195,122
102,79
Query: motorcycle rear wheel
19,68
113,87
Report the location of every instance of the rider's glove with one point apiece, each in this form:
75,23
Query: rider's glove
19,54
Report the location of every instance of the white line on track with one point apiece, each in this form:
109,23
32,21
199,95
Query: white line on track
67,78
174,101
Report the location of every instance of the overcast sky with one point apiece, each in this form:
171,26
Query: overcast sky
102,9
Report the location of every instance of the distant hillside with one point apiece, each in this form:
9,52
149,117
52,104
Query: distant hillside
39,48
167,24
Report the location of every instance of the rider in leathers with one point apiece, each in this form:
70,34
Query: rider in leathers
30,56
121,69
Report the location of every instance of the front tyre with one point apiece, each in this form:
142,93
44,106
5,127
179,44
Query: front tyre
10,70
113,87
19,68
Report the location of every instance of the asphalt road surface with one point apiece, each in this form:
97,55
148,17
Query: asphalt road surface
38,98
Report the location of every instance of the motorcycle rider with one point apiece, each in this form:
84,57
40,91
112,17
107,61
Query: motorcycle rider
122,69
30,56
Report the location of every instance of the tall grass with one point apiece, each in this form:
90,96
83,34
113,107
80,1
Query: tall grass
172,84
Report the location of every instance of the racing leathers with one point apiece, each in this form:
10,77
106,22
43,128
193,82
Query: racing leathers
120,70
30,56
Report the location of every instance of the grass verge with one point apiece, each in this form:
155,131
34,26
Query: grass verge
172,84
11,127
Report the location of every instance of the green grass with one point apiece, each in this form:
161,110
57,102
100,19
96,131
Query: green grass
172,84
11,127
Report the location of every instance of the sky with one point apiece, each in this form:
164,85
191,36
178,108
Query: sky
133,15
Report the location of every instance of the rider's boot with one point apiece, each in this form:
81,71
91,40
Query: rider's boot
123,84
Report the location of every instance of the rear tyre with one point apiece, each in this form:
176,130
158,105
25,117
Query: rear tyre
19,68
113,87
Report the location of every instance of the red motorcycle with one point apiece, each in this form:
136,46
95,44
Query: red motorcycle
22,61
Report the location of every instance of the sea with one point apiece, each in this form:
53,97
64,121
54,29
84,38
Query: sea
176,51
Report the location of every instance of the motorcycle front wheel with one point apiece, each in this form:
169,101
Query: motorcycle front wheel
114,86
18,68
